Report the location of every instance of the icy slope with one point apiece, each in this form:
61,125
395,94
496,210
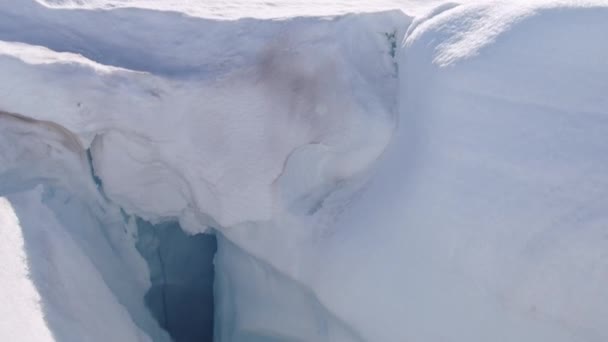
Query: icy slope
515,120
22,315
78,305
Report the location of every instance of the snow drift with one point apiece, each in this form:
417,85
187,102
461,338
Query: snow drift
447,189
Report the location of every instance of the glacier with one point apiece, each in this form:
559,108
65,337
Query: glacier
402,171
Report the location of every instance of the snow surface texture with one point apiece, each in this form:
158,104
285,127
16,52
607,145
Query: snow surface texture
22,316
453,189
78,305
263,9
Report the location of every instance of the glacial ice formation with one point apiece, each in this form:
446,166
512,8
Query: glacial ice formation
432,176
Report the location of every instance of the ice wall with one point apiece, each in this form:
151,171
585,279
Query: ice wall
208,123
215,111
80,256
508,113
23,317
256,302
181,268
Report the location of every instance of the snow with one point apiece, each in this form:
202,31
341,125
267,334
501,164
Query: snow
22,316
485,218
300,93
262,9
490,198
453,192
182,275
259,303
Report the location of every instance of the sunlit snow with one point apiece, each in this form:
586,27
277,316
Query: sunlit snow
372,171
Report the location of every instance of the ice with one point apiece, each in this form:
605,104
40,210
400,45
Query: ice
102,129
302,84
448,188
484,219
264,9
62,287
182,275
83,265
23,317
256,302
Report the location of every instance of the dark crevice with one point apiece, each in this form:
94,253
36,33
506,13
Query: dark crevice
182,275
96,178
165,320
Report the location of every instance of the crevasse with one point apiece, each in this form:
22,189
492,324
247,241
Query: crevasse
446,188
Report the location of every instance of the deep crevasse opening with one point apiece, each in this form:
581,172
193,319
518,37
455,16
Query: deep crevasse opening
182,277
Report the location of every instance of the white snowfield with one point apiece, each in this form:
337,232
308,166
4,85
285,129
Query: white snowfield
414,171
262,9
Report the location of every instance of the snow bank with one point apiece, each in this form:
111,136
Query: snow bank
256,302
485,218
504,106
210,114
487,211
22,316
